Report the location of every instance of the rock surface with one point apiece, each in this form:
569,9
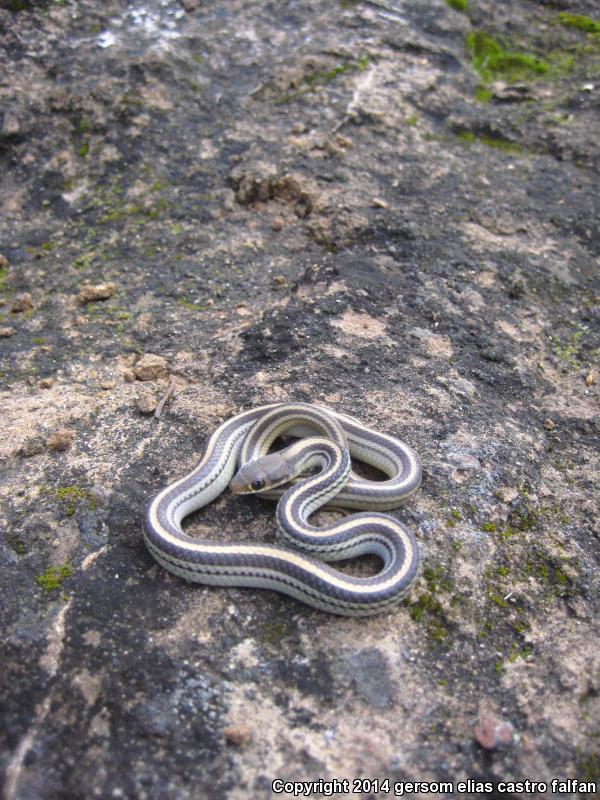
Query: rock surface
387,206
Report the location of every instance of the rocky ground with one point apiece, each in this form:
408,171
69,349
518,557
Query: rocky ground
389,206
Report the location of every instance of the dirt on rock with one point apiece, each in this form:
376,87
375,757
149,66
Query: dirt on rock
387,206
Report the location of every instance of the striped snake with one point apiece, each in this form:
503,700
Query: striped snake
325,440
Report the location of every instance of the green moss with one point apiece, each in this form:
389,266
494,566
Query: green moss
84,261
492,61
560,576
496,142
18,5
454,516
520,626
500,144
568,350
549,573
109,315
562,61
191,306
84,125
507,533
524,518
518,652
114,207
18,545
496,599
459,5
70,496
489,527
327,75
412,120
579,21
53,577
315,79
84,149
437,579
588,766
482,94
137,214
486,629
273,632
427,609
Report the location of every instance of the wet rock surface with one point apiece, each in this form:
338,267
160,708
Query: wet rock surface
388,207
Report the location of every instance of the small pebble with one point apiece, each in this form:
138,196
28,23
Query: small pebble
242,309
6,332
492,732
146,401
3,262
279,280
591,378
549,424
99,291
516,286
32,447
237,735
21,302
46,383
150,367
278,224
61,440
128,375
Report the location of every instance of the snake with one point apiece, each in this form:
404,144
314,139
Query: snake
314,471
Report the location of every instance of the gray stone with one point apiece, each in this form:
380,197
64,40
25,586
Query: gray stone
303,201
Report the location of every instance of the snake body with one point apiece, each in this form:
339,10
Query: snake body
326,440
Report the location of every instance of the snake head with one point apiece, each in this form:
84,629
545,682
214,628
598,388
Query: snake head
261,475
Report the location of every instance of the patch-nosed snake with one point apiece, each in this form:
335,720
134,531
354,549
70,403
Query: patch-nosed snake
244,441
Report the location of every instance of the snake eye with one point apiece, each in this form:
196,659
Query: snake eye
258,484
